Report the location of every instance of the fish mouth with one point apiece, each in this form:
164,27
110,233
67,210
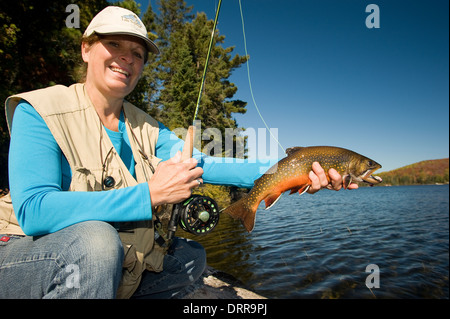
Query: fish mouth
370,179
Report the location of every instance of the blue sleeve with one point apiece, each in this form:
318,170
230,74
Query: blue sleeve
35,174
217,170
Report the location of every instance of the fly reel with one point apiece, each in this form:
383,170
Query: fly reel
198,215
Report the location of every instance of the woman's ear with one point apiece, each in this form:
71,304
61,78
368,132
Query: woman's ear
85,48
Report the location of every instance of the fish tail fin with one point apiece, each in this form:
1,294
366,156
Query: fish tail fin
244,211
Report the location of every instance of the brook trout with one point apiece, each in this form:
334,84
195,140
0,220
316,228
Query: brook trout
291,173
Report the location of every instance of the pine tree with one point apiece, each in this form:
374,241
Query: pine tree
173,16
179,93
181,69
216,108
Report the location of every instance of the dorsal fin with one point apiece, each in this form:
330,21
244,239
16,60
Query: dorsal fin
291,150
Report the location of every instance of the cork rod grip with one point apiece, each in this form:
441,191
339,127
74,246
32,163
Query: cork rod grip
188,144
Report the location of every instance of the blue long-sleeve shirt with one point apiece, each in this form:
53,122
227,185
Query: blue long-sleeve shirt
40,177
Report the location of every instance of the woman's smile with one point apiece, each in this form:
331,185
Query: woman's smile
122,72
115,64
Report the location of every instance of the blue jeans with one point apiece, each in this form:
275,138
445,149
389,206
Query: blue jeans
85,261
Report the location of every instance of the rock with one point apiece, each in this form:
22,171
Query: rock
214,284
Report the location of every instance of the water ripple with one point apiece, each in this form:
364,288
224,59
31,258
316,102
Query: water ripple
318,246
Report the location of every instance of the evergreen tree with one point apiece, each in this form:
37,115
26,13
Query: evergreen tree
182,68
179,94
216,107
130,5
173,16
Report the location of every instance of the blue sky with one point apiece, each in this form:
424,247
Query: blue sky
321,77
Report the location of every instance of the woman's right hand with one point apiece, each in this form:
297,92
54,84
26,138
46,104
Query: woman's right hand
174,180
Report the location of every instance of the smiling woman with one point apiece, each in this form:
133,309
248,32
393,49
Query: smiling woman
114,66
95,38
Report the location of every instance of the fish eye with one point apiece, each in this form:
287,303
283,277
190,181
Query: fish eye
370,163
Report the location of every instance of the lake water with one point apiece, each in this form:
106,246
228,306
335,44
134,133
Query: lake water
318,246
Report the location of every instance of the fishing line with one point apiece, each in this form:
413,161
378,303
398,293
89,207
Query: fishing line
250,82
197,214
207,61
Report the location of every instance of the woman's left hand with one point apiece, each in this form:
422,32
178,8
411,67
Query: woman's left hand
319,179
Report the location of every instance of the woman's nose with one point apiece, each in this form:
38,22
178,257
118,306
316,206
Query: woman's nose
127,56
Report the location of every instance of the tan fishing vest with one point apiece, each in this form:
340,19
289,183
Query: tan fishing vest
76,127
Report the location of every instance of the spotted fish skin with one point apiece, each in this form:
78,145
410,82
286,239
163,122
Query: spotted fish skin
292,173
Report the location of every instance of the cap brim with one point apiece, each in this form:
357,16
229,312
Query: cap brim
151,46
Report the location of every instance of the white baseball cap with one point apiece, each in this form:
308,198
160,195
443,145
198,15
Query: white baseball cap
117,20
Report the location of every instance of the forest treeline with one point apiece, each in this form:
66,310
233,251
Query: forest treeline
424,172
37,50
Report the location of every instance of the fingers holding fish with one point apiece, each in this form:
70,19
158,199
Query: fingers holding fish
336,180
318,178
353,186
315,183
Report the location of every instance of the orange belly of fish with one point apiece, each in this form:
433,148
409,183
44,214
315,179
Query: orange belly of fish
294,184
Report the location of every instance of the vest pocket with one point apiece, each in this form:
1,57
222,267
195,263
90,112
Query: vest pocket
130,258
88,180
155,263
84,180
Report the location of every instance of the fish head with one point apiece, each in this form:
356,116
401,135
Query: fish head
361,169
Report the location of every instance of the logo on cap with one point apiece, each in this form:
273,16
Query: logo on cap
132,19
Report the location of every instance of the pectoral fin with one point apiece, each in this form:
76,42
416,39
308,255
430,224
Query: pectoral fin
304,189
347,181
301,190
271,199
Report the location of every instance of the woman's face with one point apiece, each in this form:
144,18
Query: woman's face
115,64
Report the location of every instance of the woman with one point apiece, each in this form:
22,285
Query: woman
86,175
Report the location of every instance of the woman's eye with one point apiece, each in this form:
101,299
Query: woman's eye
138,55
114,44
